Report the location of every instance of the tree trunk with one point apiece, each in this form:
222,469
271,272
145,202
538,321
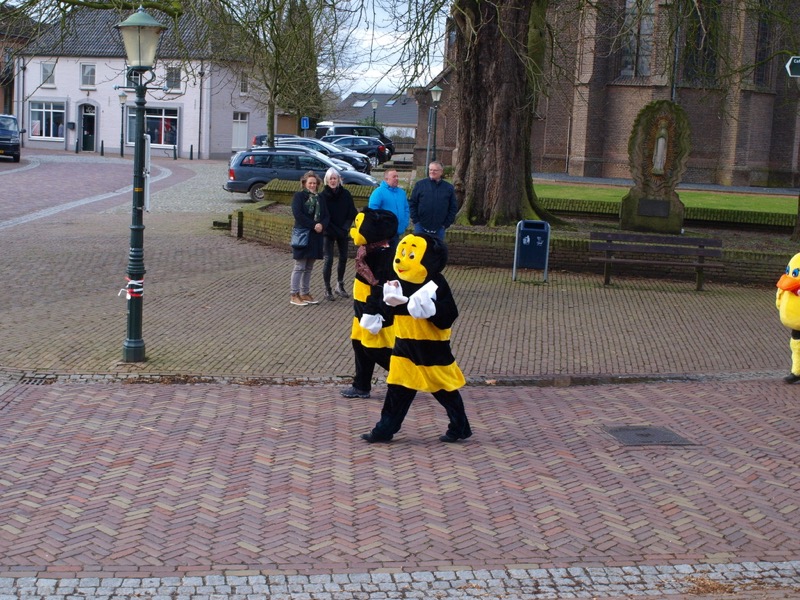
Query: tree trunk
499,54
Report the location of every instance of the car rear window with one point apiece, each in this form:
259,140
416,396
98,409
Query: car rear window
281,161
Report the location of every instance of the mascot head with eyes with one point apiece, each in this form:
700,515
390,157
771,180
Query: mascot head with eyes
419,258
788,304
373,225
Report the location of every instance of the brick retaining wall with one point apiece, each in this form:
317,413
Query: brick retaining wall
496,249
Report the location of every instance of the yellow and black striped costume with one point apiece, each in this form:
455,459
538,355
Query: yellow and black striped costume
422,359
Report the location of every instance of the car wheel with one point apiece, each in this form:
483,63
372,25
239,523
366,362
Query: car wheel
257,192
15,158
373,160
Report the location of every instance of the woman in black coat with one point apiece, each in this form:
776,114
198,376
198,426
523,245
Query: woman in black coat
311,214
342,211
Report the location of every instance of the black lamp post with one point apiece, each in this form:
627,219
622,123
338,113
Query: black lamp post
123,99
436,96
140,33
374,108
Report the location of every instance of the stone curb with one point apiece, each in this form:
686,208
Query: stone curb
509,584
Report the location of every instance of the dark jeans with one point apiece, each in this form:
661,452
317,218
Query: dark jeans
398,401
327,265
439,232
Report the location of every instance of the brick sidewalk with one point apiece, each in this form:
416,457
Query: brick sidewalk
265,491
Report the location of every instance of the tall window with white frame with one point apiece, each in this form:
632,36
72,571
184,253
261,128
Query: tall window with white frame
48,74
174,80
637,38
88,72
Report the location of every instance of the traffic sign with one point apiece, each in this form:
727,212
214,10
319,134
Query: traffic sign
304,124
793,66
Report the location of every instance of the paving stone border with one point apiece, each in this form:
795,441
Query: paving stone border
508,584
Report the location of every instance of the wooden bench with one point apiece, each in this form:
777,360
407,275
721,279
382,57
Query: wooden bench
661,249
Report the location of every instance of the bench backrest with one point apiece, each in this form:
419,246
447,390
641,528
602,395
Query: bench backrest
654,244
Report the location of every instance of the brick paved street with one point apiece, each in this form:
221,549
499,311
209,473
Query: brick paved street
254,484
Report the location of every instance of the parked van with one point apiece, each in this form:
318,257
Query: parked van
327,128
9,137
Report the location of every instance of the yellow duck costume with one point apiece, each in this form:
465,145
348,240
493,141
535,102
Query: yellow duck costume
788,303
424,311
371,334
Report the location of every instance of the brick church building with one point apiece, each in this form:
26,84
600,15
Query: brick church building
608,64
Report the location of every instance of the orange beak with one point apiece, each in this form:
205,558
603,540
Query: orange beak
788,283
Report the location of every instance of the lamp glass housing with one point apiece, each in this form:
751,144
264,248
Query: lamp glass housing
123,98
436,94
374,103
140,34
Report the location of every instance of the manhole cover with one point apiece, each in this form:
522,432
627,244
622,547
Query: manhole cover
644,435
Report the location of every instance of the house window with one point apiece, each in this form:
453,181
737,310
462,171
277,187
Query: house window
637,38
244,85
47,120
132,78
702,42
761,72
88,75
174,78
161,124
49,74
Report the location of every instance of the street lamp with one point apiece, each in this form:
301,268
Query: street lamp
140,34
374,103
123,99
436,96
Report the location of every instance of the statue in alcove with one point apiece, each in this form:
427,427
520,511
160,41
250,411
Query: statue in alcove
658,151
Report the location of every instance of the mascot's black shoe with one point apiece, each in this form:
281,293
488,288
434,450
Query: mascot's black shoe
354,392
791,378
371,439
449,439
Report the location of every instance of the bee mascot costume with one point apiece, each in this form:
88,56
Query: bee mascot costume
788,304
424,311
372,334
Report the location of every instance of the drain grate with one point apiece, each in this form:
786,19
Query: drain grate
36,381
645,435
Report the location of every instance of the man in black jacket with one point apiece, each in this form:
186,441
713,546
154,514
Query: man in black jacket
433,205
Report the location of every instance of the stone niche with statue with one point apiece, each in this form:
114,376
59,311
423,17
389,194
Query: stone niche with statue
658,151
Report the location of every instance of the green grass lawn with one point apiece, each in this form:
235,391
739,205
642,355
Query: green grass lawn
693,198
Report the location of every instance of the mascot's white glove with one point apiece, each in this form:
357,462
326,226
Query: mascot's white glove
393,293
372,323
420,304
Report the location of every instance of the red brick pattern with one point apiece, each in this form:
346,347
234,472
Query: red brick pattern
141,478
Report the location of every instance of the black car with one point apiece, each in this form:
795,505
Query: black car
9,137
355,159
261,139
325,129
373,148
251,170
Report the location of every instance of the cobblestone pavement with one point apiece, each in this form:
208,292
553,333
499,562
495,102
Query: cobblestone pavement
238,472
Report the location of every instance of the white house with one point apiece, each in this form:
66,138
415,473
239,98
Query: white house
72,92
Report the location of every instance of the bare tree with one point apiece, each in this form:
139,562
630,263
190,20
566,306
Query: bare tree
503,49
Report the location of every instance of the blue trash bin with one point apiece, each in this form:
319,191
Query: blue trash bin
531,247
